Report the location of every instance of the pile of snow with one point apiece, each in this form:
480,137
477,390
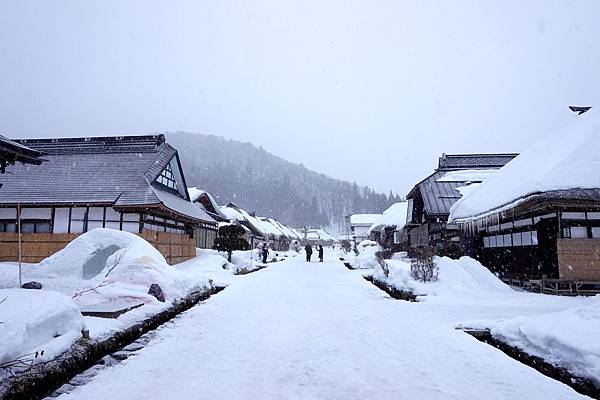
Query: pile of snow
366,258
35,321
103,265
567,158
395,215
456,278
567,338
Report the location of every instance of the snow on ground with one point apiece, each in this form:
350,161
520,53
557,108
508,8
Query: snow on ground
542,325
318,331
34,321
566,338
456,279
105,265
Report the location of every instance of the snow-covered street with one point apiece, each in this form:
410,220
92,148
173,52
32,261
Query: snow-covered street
319,331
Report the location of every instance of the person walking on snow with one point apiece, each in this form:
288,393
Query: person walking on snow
308,250
320,249
265,253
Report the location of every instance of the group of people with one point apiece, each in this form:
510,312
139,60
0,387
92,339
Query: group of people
308,249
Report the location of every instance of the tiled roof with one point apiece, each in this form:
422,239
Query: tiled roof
110,170
439,195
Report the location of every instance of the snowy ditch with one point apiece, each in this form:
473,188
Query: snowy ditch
43,379
391,290
580,384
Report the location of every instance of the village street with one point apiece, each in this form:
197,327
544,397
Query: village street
317,331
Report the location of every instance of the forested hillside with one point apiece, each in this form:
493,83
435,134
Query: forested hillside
259,181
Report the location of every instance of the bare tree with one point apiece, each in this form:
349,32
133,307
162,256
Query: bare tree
423,267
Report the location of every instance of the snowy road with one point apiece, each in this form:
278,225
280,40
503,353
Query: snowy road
316,331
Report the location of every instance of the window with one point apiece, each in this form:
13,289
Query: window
579,232
500,241
573,215
29,226
516,239
596,232
526,238
8,226
396,237
566,232
507,240
167,178
486,242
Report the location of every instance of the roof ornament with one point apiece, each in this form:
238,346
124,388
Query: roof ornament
579,109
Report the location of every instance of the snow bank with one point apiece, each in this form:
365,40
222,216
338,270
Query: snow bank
366,255
37,320
567,158
456,279
104,264
567,338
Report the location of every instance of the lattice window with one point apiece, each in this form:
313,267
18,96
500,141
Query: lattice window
167,178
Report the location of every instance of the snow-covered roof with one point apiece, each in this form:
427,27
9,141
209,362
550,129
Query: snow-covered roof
363,219
269,227
467,175
232,213
395,215
212,209
567,158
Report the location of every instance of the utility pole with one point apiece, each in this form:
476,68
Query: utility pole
19,241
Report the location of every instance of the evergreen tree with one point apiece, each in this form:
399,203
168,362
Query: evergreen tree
230,239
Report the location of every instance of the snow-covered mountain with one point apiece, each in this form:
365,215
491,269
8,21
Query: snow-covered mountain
259,181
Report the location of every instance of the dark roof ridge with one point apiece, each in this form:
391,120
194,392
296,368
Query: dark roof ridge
93,144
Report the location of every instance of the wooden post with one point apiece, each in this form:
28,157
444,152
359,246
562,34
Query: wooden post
19,241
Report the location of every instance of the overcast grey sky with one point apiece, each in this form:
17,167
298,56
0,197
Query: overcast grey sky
372,91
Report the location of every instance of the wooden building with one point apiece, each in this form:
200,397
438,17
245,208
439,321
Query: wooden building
360,225
235,213
205,236
130,183
388,228
430,200
12,152
540,215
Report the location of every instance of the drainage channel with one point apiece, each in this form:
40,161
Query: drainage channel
88,357
581,385
110,360
392,291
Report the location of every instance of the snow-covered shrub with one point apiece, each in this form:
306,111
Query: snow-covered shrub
423,266
345,246
366,258
295,246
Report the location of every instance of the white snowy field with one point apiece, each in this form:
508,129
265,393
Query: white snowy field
318,331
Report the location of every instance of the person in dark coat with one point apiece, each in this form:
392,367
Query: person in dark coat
320,249
308,250
265,253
